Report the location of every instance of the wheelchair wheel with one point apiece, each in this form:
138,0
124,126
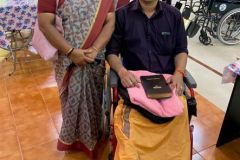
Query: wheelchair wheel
228,31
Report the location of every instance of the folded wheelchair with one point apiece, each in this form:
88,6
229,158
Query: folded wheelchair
111,98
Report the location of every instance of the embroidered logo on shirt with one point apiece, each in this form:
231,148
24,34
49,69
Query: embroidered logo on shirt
166,33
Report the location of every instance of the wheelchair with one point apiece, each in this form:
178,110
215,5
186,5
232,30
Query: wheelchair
111,98
218,18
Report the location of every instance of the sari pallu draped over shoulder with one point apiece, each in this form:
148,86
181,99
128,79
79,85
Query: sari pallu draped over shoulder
81,87
121,3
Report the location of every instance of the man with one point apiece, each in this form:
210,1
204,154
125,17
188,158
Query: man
150,36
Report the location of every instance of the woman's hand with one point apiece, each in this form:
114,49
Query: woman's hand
176,81
91,52
128,79
79,58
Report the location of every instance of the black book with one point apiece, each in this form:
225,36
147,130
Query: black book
156,87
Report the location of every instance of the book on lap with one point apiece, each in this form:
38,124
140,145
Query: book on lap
156,87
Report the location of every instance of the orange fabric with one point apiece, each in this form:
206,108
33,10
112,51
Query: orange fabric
150,141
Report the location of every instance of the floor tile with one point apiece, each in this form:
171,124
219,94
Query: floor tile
209,85
9,144
49,93
28,107
57,120
8,68
29,114
45,79
19,83
5,109
203,136
197,157
217,55
29,97
36,65
7,123
49,151
194,151
14,156
36,133
207,108
207,124
3,92
53,105
230,151
25,64
104,151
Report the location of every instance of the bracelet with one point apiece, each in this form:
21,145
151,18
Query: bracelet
180,71
95,48
69,52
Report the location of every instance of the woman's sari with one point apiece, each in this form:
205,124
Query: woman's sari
121,3
81,87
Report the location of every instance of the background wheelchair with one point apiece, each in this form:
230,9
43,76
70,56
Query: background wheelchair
218,18
111,97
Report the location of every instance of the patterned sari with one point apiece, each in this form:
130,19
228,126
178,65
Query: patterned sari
81,96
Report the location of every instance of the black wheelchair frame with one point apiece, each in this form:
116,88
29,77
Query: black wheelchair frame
219,18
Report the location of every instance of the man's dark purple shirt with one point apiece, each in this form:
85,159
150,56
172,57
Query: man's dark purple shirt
148,43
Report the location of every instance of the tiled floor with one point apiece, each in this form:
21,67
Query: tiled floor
215,56
30,118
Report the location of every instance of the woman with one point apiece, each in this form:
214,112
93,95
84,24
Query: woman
79,68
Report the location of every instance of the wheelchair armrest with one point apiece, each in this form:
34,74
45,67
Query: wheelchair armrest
189,80
113,78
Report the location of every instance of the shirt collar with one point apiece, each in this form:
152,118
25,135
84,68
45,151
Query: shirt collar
136,6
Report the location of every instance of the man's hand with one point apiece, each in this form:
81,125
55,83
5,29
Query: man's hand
176,81
79,58
127,78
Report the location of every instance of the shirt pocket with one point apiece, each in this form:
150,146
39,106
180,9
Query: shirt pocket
165,42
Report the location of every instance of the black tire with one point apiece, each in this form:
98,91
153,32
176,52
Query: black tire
206,41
